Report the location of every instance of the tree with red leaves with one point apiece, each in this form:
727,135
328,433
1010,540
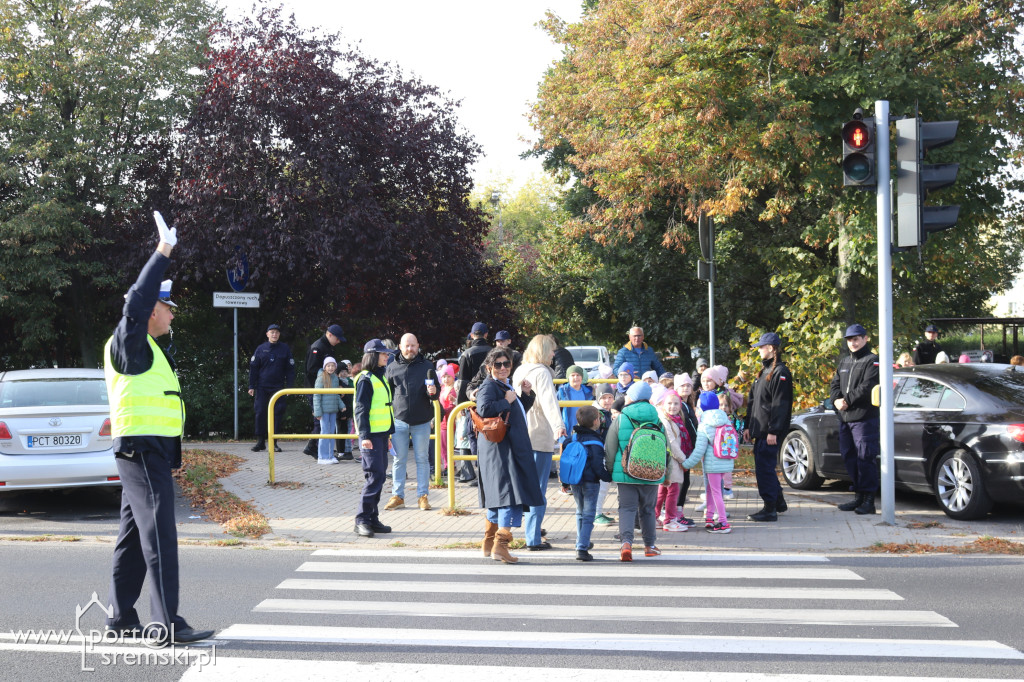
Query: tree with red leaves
344,184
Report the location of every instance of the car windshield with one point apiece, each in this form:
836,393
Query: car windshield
1007,386
52,392
586,354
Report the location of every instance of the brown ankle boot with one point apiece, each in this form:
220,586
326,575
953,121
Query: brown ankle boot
489,530
500,549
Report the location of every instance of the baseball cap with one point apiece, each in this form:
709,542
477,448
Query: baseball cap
768,339
932,328
501,336
479,328
855,330
336,330
375,346
273,326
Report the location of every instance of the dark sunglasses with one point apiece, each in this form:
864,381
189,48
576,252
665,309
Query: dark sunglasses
501,364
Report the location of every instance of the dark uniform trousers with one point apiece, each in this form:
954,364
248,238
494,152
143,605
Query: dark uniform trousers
147,543
766,458
262,402
859,446
375,470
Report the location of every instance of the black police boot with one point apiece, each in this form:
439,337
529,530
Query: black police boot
312,448
780,504
764,515
852,504
260,445
867,506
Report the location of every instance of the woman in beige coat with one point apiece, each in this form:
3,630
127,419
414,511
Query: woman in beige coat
544,422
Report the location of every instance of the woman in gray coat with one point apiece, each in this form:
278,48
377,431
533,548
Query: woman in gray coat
508,476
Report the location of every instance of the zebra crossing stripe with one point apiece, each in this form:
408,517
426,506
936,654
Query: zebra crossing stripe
275,669
650,614
638,569
669,591
556,556
587,641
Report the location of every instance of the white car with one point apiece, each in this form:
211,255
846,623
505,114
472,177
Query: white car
55,430
589,357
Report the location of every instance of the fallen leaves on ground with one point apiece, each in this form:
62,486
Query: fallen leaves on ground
199,481
986,544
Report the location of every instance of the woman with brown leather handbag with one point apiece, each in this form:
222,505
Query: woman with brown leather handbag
508,477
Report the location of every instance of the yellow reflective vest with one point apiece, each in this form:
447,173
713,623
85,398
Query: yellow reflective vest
381,416
147,404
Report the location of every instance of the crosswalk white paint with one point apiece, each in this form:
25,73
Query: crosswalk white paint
592,641
587,590
635,570
276,669
723,557
602,612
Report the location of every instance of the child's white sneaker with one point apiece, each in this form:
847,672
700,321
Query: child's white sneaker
701,507
675,527
328,461
727,495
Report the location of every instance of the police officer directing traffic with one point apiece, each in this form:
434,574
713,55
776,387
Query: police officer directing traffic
850,391
147,417
271,368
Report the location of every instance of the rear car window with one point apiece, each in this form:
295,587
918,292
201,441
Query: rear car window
52,392
586,354
920,394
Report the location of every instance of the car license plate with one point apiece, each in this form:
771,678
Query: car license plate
55,441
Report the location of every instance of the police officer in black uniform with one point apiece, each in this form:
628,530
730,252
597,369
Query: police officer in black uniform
769,409
270,369
147,420
928,349
850,391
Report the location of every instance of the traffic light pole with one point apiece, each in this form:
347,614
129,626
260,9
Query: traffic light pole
885,353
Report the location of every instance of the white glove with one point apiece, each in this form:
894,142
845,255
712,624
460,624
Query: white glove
168,236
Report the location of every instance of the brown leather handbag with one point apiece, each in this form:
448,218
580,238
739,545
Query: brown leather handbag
493,428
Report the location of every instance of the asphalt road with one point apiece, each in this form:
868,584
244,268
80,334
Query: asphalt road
410,604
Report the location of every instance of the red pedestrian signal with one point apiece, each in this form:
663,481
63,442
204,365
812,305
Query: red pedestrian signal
859,151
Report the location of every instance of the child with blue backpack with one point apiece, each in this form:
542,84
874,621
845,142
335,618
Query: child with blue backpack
716,449
582,466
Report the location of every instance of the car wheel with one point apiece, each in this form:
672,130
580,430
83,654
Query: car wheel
797,460
959,487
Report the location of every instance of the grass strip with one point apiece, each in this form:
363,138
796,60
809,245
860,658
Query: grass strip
199,480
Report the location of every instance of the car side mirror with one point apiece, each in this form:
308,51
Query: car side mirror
827,404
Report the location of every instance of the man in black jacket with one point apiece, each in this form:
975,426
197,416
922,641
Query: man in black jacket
318,350
769,408
850,391
413,388
926,351
562,360
469,364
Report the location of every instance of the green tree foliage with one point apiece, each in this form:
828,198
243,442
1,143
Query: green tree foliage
667,108
90,92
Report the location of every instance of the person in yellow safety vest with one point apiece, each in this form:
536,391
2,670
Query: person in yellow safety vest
147,417
375,422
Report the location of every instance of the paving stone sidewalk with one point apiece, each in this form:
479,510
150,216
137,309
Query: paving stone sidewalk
320,509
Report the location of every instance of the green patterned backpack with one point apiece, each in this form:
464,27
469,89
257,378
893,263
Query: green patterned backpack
646,454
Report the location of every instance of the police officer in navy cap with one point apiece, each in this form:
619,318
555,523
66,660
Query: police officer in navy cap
928,350
147,418
271,368
318,350
850,391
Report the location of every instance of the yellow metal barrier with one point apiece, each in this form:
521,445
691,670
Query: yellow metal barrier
451,440
272,435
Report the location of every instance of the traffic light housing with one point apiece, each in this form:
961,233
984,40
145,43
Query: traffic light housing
914,180
859,151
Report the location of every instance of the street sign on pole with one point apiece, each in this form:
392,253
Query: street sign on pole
238,276
226,299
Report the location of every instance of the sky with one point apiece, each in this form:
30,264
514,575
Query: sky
489,55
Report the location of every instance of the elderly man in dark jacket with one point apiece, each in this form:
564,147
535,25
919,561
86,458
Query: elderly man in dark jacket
413,388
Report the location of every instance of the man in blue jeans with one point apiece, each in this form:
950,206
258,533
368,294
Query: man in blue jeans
414,385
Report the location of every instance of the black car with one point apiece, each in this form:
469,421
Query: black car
958,432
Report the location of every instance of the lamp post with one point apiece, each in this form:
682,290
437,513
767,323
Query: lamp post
496,203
